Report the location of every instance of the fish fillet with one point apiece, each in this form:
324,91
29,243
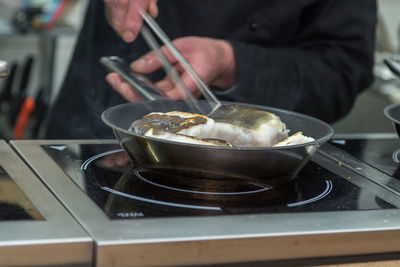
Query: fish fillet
295,139
231,125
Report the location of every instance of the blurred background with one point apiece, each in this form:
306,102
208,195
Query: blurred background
367,115
37,38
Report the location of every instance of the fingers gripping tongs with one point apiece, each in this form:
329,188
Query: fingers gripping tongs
150,91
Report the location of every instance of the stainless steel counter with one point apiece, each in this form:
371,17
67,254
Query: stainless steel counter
222,239
52,236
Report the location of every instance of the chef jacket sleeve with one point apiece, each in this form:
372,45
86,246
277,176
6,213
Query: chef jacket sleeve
321,72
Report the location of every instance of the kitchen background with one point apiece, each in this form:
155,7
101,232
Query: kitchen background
41,59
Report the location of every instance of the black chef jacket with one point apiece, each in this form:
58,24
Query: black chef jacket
311,56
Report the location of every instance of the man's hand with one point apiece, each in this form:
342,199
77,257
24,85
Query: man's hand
212,59
125,16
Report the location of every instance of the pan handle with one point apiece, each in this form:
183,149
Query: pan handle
140,82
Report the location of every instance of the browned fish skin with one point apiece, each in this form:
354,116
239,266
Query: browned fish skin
241,116
169,123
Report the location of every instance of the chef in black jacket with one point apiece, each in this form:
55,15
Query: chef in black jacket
311,56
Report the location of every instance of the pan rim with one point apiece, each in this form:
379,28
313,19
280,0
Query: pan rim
316,142
389,108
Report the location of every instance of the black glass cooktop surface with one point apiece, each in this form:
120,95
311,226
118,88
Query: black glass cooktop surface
14,204
103,173
382,154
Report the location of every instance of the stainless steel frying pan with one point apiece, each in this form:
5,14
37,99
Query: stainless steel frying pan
269,165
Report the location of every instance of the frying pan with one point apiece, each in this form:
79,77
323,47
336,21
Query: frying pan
392,112
267,165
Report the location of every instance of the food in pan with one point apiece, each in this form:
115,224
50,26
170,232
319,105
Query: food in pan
178,126
230,125
295,139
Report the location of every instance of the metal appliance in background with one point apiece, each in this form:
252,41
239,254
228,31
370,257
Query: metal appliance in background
4,69
8,73
343,206
21,110
392,112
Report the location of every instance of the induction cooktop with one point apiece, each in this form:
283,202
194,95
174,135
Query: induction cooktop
381,152
376,156
123,191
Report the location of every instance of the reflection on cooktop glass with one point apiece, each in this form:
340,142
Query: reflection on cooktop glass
382,154
14,204
104,173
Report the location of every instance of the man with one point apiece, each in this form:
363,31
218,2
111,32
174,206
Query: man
310,56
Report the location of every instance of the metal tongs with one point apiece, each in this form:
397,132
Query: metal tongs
393,63
149,90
